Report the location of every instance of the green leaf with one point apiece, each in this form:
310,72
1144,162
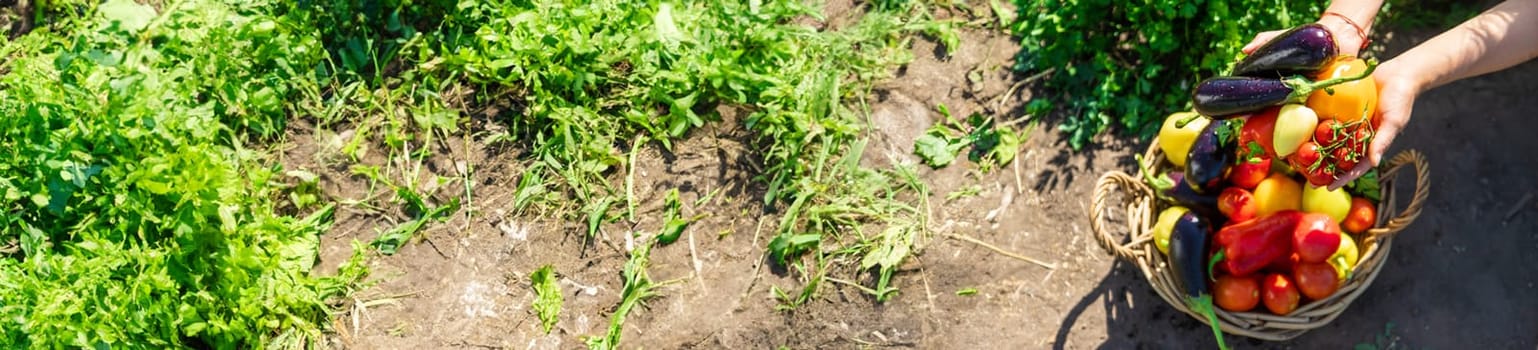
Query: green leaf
129,15
1009,145
391,240
786,246
672,230
667,31
674,223
934,150
1254,152
1367,186
1228,132
596,216
300,253
894,246
547,302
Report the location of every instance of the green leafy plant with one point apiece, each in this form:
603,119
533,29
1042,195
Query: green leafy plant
547,300
141,207
964,192
392,239
593,79
673,222
1382,341
992,145
638,287
1124,65
142,215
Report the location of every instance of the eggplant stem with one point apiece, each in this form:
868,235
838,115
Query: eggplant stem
1160,183
1203,305
1302,87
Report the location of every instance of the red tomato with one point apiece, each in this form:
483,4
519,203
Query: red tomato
1316,238
1238,204
1306,156
1260,129
1316,280
1279,294
1345,159
1361,133
1309,162
1361,217
1237,294
1249,172
1329,132
1360,138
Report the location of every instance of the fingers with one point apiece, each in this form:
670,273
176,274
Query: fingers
1260,39
1360,169
1383,138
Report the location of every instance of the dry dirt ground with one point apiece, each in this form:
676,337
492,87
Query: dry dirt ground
1460,277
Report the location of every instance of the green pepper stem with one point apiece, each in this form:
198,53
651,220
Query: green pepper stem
1182,123
1203,305
1212,264
1340,263
1302,87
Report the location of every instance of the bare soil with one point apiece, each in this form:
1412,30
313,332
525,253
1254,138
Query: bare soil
1458,278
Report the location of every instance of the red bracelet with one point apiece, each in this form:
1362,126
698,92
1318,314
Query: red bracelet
1360,32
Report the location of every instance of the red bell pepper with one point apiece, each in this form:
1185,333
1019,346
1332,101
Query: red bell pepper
1252,245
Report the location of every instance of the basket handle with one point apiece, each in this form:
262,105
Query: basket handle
1108,184
1422,190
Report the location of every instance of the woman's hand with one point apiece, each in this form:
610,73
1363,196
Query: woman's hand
1396,97
1347,37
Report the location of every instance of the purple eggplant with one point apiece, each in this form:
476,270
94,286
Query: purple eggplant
1189,240
1210,154
1228,97
1301,50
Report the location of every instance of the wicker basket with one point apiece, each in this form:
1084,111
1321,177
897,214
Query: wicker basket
1142,209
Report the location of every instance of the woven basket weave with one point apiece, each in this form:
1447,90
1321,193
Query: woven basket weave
1142,208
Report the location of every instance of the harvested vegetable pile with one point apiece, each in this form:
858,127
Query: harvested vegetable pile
1240,228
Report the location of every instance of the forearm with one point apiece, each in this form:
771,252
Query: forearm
1499,38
